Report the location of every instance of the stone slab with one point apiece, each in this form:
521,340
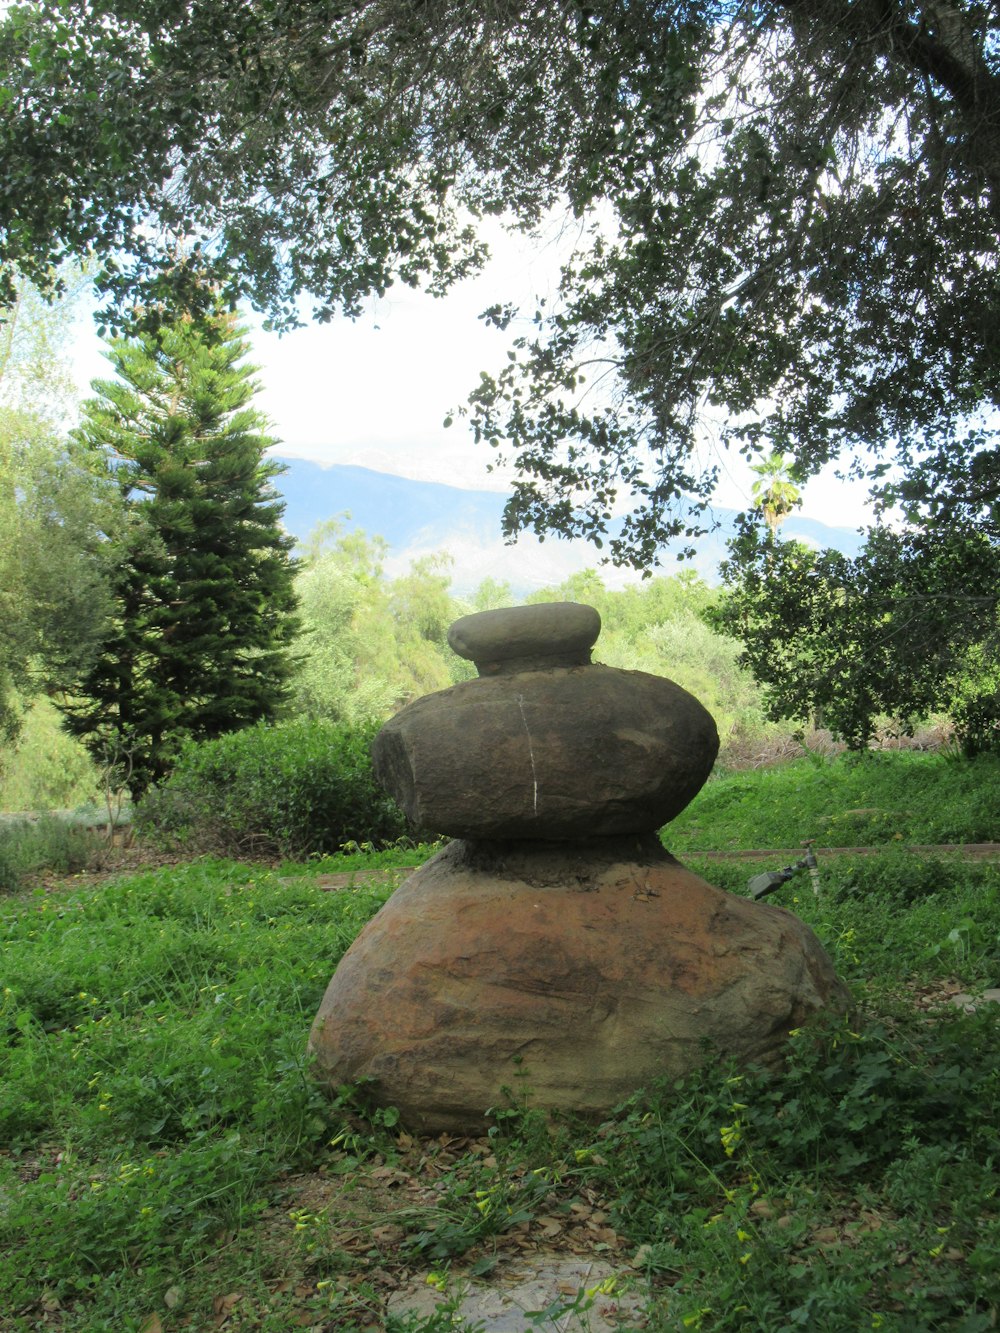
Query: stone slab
539,1284
544,634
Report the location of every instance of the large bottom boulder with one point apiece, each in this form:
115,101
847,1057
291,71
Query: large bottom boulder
572,976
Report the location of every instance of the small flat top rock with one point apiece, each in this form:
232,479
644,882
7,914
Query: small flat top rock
519,637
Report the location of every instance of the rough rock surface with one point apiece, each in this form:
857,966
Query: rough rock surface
527,637
562,753
574,976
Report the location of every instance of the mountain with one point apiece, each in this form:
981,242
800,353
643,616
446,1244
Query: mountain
423,517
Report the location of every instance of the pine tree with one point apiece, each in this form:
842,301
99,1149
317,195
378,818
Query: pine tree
204,602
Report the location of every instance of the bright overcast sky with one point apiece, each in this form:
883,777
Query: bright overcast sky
375,391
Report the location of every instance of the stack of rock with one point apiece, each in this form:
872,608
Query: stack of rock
555,946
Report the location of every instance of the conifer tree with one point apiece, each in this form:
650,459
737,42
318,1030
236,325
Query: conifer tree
204,605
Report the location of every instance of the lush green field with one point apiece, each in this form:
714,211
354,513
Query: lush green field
850,800
167,1162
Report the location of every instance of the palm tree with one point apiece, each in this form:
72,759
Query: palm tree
775,493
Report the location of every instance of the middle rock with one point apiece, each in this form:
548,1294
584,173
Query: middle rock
567,752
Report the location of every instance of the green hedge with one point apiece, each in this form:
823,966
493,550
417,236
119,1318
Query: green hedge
294,790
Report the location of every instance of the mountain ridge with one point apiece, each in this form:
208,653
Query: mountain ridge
417,517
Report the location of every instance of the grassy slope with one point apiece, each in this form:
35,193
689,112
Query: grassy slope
873,800
157,1116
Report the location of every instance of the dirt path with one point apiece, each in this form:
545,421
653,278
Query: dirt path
134,860
972,851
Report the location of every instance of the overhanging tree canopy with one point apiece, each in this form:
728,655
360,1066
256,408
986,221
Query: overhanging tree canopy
790,211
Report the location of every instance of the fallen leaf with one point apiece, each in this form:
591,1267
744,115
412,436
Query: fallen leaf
152,1325
390,1175
223,1304
172,1296
387,1235
826,1236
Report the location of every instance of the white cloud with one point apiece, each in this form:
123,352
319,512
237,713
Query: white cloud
374,392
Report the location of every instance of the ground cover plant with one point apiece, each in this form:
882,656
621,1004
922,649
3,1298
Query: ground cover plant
167,1163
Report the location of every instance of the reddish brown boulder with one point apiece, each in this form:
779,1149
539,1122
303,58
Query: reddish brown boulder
563,753
573,976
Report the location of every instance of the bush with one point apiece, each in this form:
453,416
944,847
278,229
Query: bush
297,789
49,843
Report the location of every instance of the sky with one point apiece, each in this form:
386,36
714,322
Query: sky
375,391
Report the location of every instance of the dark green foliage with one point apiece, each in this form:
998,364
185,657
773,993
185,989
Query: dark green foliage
889,1132
907,628
298,789
202,583
786,225
854,1096
788,212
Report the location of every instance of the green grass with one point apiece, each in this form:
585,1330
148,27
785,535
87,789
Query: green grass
846,801
154,1076
164,1149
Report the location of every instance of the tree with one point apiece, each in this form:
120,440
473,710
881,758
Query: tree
370,644
788,213
774,492
907,628
53,593
203,615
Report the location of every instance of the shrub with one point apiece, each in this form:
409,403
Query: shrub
48,843
296,789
